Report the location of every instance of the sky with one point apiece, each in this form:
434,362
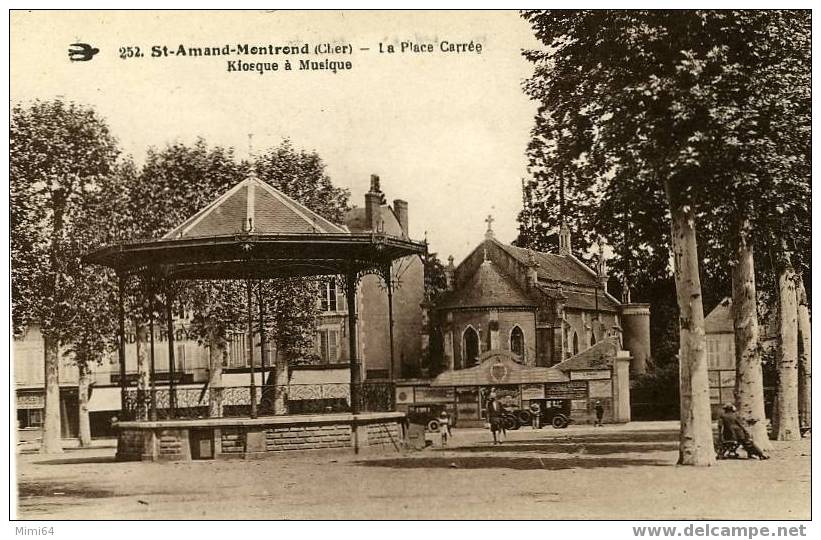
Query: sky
445,131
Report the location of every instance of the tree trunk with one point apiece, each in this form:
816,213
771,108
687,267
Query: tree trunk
696,435
82,401
51,421
143,396
280,383
216,351
786,427
749,381
804,357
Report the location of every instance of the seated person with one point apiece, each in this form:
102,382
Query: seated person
731,429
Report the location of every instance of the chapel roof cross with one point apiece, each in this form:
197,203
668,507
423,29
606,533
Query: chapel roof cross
489,220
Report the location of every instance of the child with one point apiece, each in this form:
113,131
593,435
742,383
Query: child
444,426
599,414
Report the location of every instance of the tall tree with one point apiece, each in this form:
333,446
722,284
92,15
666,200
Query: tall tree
57,150
291,304
686,116
174,183
301,175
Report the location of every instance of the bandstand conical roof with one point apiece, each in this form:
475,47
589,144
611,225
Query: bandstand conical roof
253,230
254,205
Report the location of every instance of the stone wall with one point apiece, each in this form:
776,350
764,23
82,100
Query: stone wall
246,438
309,437
173,445
130,445
232,441
387,435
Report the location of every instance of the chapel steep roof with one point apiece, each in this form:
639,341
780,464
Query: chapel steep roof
552,267
487,287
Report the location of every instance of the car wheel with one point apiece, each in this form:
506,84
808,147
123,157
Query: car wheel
559,422
433,425
525,418
510,423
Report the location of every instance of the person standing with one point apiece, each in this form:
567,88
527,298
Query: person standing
444,426
494,417
599,414
536,414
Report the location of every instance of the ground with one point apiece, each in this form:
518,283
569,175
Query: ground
614,472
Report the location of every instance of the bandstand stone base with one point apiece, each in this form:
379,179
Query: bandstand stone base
249,438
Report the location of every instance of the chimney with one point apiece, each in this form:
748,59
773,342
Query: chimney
373,202
564,240
400,207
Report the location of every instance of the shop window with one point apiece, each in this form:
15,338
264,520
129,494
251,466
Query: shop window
29,418
470,347
517,342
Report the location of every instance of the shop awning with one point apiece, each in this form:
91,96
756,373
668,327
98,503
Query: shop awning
104,399
241,379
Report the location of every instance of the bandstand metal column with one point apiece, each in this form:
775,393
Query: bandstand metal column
356,372
169,319
251,348
152,368
121,342
261,310
389,284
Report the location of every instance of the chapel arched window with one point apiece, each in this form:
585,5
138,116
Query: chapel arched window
517,342
470,342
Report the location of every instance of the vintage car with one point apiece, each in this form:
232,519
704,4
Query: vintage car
426,415
554,412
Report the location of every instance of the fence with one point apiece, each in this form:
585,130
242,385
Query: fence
235,401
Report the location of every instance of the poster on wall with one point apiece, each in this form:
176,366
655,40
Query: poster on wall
508,396
532,391
468,394
600,389
428,394
567,390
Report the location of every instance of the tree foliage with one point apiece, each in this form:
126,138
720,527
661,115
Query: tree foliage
718,100
60,153
301,175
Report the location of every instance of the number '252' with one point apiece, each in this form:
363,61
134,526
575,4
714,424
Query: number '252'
130,52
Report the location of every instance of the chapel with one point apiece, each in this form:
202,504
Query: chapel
544,308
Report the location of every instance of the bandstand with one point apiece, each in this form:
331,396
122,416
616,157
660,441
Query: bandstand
252,232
